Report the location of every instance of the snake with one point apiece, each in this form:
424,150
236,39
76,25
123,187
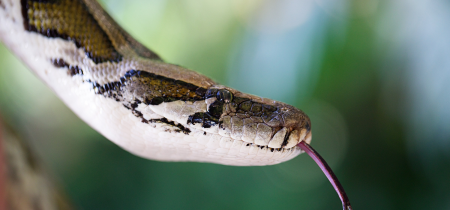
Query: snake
151,108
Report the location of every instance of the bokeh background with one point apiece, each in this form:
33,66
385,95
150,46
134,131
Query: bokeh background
372,75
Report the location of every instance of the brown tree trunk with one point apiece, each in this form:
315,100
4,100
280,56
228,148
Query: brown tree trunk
24,185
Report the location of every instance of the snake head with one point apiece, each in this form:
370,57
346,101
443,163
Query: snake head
253,119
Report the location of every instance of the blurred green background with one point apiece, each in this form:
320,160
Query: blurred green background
372,75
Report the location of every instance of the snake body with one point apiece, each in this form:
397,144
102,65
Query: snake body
131,96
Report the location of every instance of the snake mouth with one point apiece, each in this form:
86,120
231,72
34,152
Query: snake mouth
283,140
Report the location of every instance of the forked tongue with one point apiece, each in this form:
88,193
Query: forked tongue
328,172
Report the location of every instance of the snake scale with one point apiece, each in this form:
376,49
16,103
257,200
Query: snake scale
131,96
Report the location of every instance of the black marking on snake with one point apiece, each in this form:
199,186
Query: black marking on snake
72,70
215,110
180,128
286,138
164,120
204,118
59,63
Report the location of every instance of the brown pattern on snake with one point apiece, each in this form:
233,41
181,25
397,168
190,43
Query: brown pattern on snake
69,20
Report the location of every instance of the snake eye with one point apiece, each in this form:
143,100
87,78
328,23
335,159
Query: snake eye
224,96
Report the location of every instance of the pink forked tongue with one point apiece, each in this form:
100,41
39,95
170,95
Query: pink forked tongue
328,172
